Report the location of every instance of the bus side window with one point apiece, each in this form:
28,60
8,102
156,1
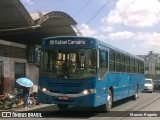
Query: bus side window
103,64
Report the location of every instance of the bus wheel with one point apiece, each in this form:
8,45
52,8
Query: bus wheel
107,107
109,101
62,107
134,97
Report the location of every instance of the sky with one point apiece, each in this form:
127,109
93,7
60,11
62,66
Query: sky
130,25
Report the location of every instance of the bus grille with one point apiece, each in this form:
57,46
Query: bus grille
66,92
62,100
64,85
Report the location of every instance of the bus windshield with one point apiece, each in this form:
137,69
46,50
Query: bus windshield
68,63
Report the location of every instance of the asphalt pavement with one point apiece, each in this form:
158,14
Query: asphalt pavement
15,108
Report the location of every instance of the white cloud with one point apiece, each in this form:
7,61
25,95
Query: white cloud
124,35
146,38
135,13
149,39
87,31
106,28
132,13
143,42
135,43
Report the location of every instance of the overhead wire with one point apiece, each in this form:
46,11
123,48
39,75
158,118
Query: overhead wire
83,7
92,18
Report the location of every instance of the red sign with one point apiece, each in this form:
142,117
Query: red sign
63,97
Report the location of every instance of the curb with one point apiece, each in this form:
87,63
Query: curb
32,108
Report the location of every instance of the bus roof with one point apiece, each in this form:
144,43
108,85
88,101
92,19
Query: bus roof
99,42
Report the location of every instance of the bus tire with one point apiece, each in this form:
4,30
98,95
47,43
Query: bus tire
62,107
134,97
108,106
109,101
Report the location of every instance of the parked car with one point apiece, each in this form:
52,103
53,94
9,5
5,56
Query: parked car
156,84
148,85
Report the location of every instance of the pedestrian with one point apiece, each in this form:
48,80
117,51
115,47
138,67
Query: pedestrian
26,91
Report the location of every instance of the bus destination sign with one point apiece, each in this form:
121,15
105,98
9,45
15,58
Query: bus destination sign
65,42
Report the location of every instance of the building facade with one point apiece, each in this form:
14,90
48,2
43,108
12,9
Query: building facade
14,64
152,65
20,33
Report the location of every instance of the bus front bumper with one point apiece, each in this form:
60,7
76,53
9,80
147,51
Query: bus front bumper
86,99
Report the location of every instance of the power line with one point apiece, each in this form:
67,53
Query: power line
82,8
106,3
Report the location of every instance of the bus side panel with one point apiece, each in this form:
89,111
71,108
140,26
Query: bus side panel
136,79
123,85
101,92
119,84
132,84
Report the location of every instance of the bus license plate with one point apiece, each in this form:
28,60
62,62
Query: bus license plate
63,97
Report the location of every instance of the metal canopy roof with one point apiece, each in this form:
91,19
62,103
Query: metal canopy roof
55,23
13,15
17,25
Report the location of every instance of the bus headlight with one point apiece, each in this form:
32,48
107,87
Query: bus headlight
88,91
42,89
11,96
85,92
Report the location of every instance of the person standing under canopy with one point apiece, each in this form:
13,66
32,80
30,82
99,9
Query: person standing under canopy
26,91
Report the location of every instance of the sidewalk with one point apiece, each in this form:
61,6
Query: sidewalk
32,108
36,108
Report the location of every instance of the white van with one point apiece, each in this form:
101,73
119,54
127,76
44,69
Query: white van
148,85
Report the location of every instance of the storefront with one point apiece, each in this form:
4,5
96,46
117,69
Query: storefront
14,65
20,33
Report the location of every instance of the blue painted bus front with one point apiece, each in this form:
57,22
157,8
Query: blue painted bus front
66,86
123,86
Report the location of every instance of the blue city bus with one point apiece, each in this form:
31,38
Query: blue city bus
83,71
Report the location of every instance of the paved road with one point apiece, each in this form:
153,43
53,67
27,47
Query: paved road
147,105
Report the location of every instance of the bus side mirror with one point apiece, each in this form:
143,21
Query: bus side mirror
37,57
